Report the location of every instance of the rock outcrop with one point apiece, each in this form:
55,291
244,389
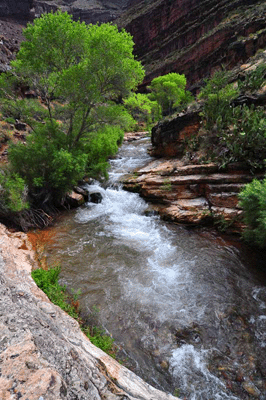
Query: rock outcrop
192,37
192,194
43,353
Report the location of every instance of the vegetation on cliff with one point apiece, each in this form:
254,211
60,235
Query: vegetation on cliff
234,120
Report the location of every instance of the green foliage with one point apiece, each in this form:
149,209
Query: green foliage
234,134
98,337
101,147
143,109
47,281
169,91
46,164
214,84
217,111
253,202
245,140
81,75
13,192
254,79
10,120
83,67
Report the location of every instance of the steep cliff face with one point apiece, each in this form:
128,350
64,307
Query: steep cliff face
15,8
192,37
90,11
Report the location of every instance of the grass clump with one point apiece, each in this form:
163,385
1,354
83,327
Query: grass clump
47,281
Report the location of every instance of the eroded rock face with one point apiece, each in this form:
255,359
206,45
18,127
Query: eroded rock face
43,353
192,194
169,137
194,37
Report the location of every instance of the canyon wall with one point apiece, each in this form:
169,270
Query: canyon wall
90,11
192,37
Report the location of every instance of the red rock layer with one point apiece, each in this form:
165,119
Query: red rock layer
192,37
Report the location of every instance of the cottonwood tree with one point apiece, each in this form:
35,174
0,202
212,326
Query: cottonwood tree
80,74
169,91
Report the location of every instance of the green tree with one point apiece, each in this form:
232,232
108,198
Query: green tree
169,91
80,73
143,109
83,67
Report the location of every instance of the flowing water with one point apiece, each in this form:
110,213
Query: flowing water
185,307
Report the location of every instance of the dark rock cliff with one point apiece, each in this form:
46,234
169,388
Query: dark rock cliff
90,11
15,8
192,37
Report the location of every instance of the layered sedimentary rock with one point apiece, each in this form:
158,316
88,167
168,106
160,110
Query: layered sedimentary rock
192,37
43,353
192,194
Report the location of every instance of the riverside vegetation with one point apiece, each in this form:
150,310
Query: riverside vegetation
84,81
235,131
47,281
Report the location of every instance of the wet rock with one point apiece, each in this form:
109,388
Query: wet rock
95,197
74,199
131,136
170,136
82,191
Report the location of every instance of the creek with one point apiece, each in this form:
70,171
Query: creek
187,308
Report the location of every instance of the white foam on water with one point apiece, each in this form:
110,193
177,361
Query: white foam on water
189,367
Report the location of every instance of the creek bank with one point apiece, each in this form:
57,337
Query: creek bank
43,351
192,194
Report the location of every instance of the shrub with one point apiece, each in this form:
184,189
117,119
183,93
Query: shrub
47,281
46,164
13,192
254,79
253,202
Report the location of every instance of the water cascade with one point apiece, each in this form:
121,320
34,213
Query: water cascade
184,306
